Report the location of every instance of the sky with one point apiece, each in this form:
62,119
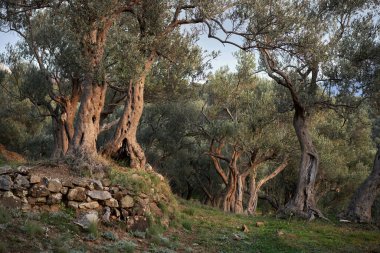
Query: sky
225,57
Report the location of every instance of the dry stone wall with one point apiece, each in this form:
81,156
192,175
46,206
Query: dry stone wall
21,188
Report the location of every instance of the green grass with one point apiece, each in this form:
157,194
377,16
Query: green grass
220,232
33,228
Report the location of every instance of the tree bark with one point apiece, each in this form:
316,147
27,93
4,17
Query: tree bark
93,91
359,209
254,188
303,203
124,144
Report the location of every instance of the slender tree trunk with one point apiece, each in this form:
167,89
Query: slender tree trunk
61,142
359,209
303,203
124,144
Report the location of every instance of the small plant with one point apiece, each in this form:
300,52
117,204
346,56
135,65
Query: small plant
121,246
33,228
3,247
93,230
189,211
4,215
186,224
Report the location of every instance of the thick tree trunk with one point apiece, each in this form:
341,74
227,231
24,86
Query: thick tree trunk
253,195
87,125
239,194
94,90
303,203
359,209
124,144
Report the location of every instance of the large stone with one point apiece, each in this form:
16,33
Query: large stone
22,181
35,179
100,195
5,169
39,191
112,202
89,205
55,198
77,194
54,185
73,204
82,182
137,223
127,202
5,183
85,220
41,200
67,183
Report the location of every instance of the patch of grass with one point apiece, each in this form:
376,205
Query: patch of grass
186,224
5,216
93,230
3,247
189,211
33,228
120,246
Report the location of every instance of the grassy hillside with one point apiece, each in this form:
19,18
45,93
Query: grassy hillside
197,229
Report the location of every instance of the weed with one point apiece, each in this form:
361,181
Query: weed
186,224
93,230
120,246
4,215
33,228
3,247
189,211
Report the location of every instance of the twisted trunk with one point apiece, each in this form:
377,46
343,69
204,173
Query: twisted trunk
124,144
359,209
303,203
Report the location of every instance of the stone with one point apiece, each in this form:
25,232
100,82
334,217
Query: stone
55,208
154,209
67,183
244,228
19,191
54,185
89,205
114,189
86,219
106,215
8,194
142,202
97,184
39,191
5,169
124,213
106,188
64,190
99,195
55,198
31,200
111,202
116,212
26,207
127,202
260,224
35,179
106,182
88,199
137,223
73,204
5,182
77,194
136,177
23,169
82,182
41,200
22,181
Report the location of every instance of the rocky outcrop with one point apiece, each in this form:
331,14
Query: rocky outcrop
26,190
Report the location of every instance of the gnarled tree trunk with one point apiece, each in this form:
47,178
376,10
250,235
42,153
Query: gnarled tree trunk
303,204
124,144
359,209
93,90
